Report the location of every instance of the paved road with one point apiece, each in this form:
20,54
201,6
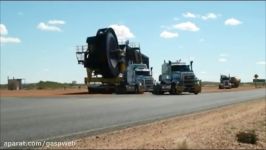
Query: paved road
29,119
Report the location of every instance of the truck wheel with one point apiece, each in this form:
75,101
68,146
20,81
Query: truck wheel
137,90
156,90
120,90
89,91
173,90
178,92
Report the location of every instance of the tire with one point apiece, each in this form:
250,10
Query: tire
173,90
178,92
91,91
120,89
156,90
137,90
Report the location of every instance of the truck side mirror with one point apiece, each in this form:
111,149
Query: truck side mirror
160,78
191,63
151,70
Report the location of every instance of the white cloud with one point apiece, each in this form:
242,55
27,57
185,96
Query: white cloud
232,22
51,25
223,57
3,30
209,16
4,40
189,15
222,60
204,17
261,63
122,32
167,34
187,26
203,72
56,22
45,27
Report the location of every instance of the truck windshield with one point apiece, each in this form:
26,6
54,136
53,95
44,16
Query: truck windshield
224,78
180,68
143,73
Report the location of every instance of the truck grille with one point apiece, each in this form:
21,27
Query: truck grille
189,80
188,83
148,82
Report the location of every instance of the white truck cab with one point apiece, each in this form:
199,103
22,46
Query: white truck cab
139,75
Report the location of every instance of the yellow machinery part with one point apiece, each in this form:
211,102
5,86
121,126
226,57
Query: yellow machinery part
90,79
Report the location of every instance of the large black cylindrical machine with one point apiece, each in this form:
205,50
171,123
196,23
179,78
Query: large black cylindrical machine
105,56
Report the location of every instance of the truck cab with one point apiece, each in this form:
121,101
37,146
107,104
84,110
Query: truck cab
225,82
177,77
139,75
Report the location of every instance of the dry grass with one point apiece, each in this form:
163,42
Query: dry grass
182,144
83,91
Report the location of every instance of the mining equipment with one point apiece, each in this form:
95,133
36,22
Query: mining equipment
114,67
235,82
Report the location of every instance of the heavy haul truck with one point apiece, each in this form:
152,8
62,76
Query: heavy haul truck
113,67
227,82
177,77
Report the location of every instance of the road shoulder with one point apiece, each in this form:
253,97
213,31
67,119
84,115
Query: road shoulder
211,129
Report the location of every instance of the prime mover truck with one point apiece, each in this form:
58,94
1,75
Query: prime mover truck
177,77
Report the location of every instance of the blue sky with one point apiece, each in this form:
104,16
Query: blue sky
38,39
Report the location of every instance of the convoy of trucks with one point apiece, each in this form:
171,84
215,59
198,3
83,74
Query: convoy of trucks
114,67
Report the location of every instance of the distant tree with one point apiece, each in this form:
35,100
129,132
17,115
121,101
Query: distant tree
256,77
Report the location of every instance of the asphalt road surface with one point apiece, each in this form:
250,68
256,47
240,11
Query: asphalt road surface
47,118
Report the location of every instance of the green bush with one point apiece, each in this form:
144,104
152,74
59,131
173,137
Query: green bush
247,137
51,85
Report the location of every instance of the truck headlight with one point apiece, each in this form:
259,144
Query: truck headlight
198,82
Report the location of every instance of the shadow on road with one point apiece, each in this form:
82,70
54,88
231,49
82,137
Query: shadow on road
76,93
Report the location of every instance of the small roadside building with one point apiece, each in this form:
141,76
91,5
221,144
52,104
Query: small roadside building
14,84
